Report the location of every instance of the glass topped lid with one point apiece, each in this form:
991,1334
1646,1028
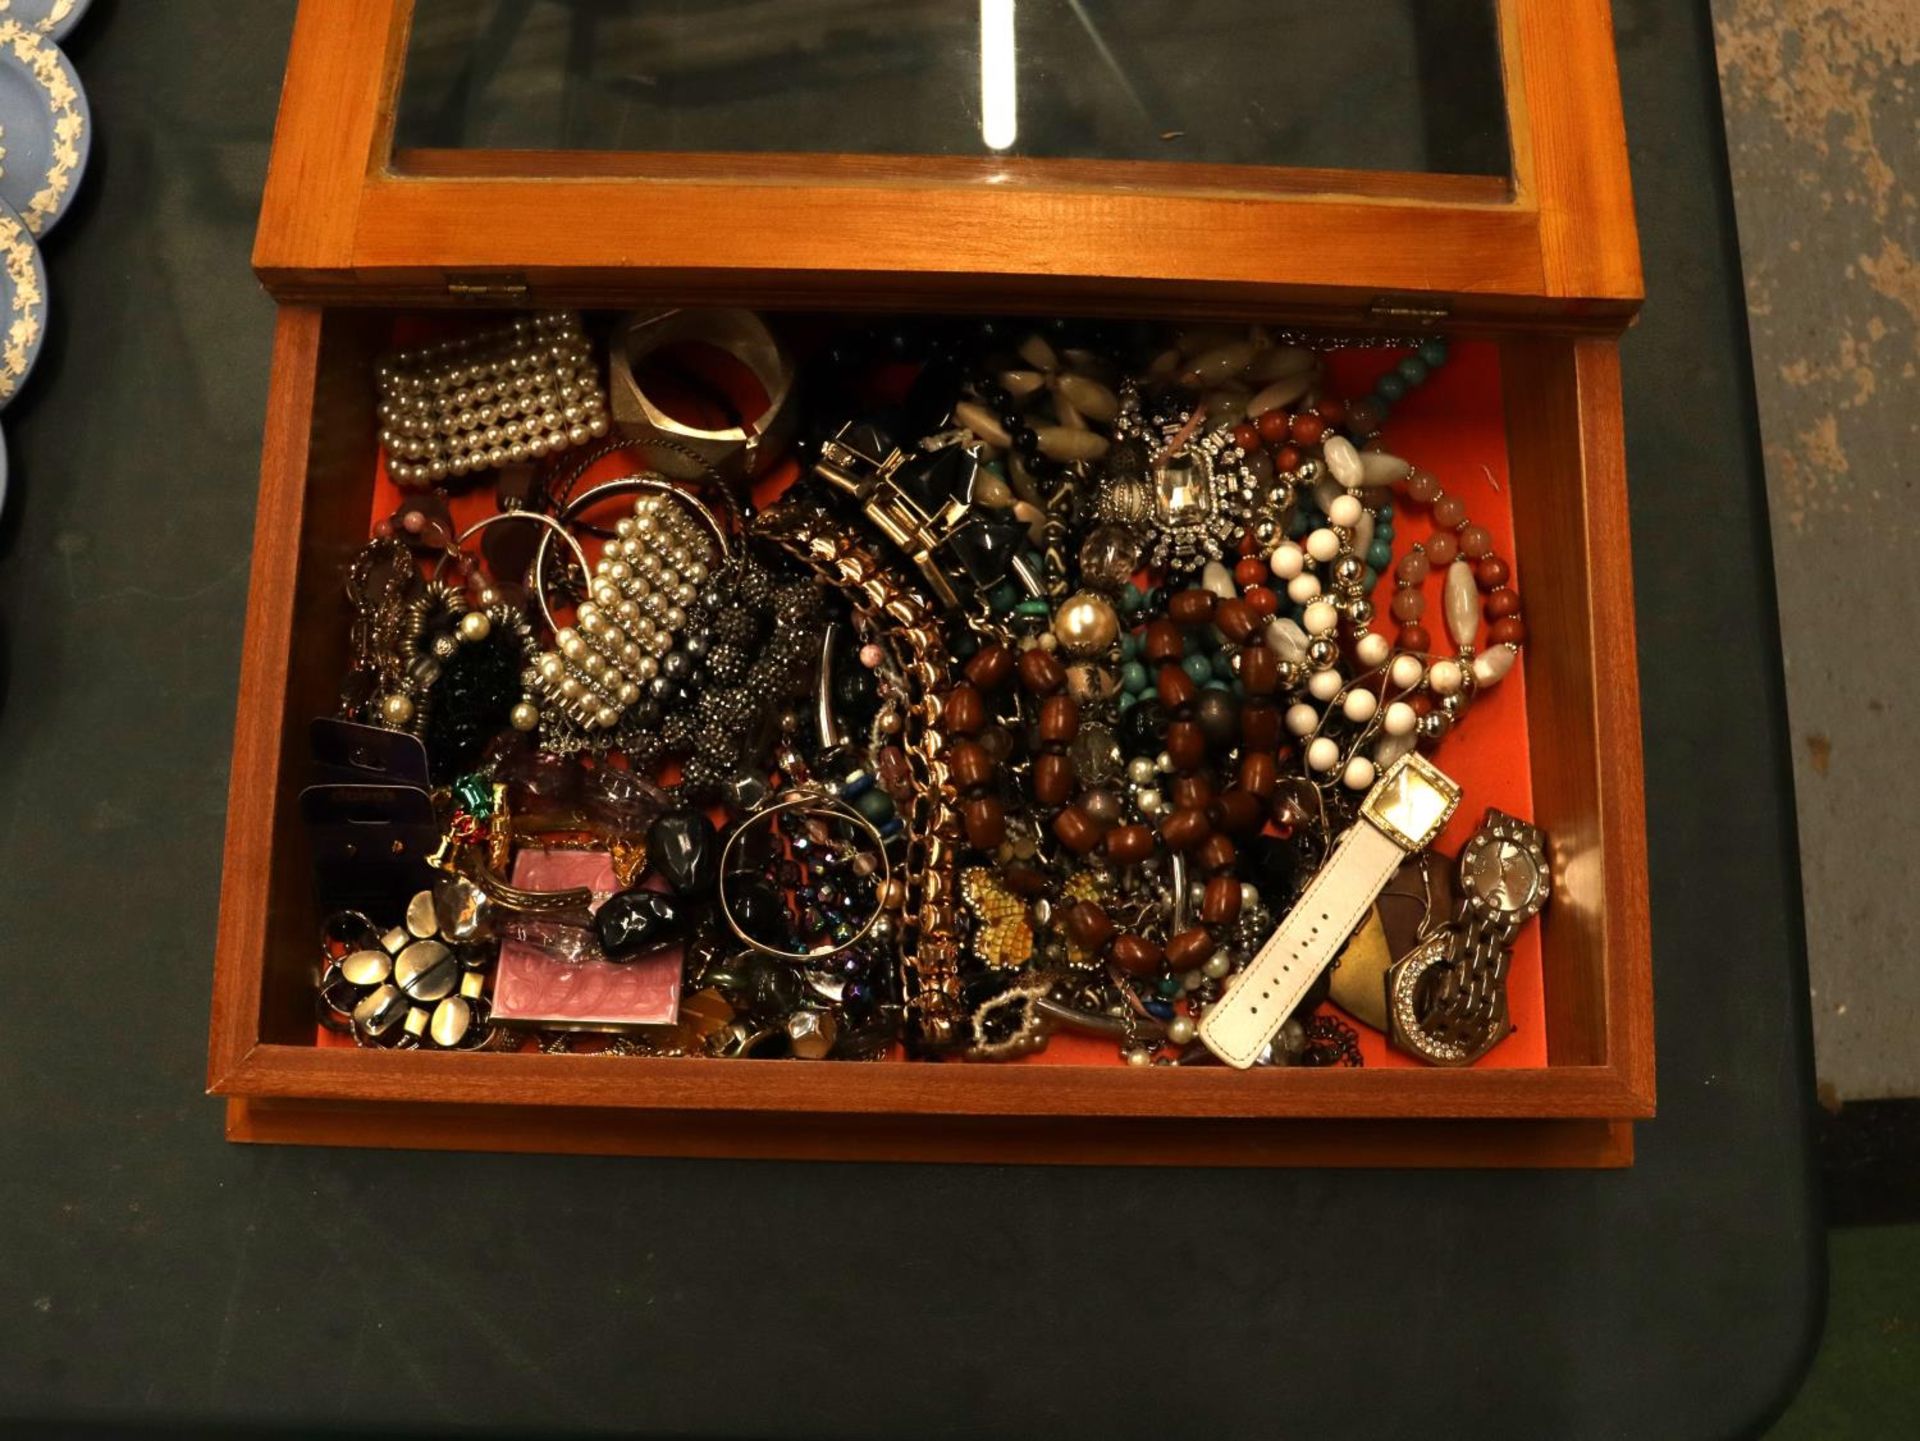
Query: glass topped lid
1386,162
1385,85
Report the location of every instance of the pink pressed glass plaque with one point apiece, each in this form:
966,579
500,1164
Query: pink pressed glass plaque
532,988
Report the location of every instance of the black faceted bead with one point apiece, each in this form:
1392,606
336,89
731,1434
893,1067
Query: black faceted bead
772,986
637,921
986,547
761,912
682,847
1143,729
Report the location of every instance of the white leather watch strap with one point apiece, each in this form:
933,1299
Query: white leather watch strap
1241,1023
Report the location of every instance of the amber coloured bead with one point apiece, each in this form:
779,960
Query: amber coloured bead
1161,641
1216,853
1186,745
986,821
1191,607
1259,773
1127,844
1041,671
964,712
1510,631
1088,926
1238,812
1191,792
1136,955
1491,572
1220,903
1190,949
990,667
1025,880
1235,619
969,764
1059,719
1185,829
1501,603
1259,670
1052,778
1078,831
1176,687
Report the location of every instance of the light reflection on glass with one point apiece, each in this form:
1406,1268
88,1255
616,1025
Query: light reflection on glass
999,93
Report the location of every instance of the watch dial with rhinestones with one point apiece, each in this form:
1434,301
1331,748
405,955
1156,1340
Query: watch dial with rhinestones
1504,875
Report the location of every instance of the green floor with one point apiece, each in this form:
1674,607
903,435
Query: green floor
1866,1380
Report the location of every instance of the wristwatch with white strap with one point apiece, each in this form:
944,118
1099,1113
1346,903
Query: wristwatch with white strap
1403,814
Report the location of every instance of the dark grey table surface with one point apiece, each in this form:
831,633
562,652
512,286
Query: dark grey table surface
148,1269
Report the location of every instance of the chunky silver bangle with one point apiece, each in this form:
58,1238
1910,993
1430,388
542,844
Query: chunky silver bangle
738,451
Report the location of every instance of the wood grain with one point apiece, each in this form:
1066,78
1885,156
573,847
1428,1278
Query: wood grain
343,215
1622,798
1573,566
1572,139
252,856
956,1089
994,1140
333,130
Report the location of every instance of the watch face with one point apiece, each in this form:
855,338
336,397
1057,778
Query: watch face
1412,801
1504,867
1504,876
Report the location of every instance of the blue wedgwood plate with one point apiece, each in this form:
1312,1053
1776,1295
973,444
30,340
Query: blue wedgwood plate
45,129
23,303
52,18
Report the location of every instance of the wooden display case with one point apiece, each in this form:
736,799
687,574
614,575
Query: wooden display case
360,221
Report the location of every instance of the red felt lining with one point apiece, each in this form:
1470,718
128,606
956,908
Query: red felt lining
1454,426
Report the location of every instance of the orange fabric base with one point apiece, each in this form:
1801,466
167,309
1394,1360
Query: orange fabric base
1454,426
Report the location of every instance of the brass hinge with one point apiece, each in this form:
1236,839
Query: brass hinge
1407,310
488,289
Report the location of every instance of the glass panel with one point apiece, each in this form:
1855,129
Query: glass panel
1399,85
